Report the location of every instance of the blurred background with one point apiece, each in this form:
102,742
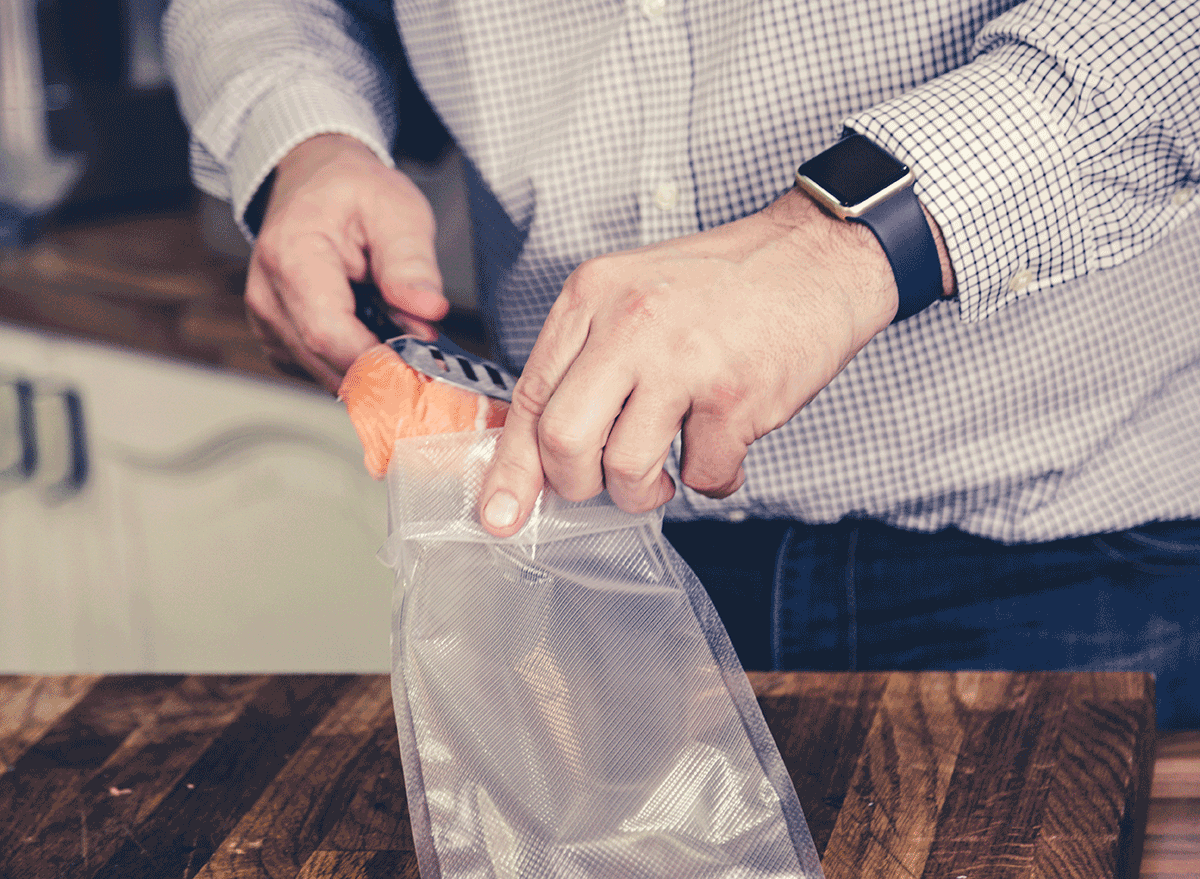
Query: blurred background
168,500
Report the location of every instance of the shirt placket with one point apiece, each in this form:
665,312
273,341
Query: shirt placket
663,70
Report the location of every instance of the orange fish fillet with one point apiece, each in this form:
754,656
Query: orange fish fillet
387,400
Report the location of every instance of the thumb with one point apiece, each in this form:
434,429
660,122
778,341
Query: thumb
400,239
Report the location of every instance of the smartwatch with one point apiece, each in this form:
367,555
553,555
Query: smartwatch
859,181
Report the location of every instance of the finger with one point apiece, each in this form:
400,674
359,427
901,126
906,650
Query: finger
399,236
574,428
637,450
712,455
516,477
274,331
310,307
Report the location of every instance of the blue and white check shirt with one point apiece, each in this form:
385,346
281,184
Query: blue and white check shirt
1056,143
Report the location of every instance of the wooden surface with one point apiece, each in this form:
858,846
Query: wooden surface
1172,844
151,283
940,775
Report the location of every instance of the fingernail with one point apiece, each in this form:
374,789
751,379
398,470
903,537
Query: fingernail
501,510
427,287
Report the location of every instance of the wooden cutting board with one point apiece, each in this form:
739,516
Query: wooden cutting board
938,775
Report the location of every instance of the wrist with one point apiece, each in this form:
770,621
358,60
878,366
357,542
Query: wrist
860,182
796,207
309,157
848,251
321,157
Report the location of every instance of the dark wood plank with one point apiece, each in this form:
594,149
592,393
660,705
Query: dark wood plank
52,771
822,753
996,819
110,806
307,798
889,819
1098,764
30,704
360,865
376,817
206,804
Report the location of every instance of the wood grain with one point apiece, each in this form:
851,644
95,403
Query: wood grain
150,283
934,775
1172,840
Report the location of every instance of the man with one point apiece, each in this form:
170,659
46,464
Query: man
1007,476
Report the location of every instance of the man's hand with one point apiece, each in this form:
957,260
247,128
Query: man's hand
336,214
725,334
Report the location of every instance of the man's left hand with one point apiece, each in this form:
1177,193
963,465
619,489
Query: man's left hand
724,334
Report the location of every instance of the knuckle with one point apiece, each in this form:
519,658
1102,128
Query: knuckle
725,388
577,492
710,476
629,469
515,471
639,504
587,275
646,304
399,199
707,484
341,191
530,395
257,298
286,256
642,501
561,441
268,251
316,339
587,282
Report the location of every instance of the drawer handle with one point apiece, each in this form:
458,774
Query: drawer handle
23,468
77,476
78,465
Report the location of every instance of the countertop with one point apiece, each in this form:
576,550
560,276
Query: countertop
153,283
983,775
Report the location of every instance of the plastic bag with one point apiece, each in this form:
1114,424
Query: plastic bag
567,700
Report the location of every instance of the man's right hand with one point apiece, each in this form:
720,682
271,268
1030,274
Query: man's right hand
337,214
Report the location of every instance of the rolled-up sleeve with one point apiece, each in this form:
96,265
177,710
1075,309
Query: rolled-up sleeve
254,79
1070,143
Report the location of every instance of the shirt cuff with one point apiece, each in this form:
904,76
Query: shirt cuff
994,169
286,117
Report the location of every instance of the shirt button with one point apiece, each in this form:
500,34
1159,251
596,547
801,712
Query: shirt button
736,516
1181,197
654,9
666,195
1020,281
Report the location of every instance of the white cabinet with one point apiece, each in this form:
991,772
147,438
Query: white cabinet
186,520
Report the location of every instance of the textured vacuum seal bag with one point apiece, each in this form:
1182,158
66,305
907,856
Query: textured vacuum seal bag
568,703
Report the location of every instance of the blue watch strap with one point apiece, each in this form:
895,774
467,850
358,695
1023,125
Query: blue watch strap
903,232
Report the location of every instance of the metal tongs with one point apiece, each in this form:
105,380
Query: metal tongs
441,359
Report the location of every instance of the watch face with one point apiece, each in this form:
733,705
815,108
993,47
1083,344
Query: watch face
854,170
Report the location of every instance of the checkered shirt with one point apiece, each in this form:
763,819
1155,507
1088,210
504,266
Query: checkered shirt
1056,143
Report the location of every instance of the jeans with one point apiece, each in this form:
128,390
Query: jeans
861,595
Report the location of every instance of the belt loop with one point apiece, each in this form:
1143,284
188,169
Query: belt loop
851,600
777,597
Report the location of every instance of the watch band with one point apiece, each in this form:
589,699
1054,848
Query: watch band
903,232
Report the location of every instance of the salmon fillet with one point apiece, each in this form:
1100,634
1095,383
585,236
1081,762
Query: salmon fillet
388,400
